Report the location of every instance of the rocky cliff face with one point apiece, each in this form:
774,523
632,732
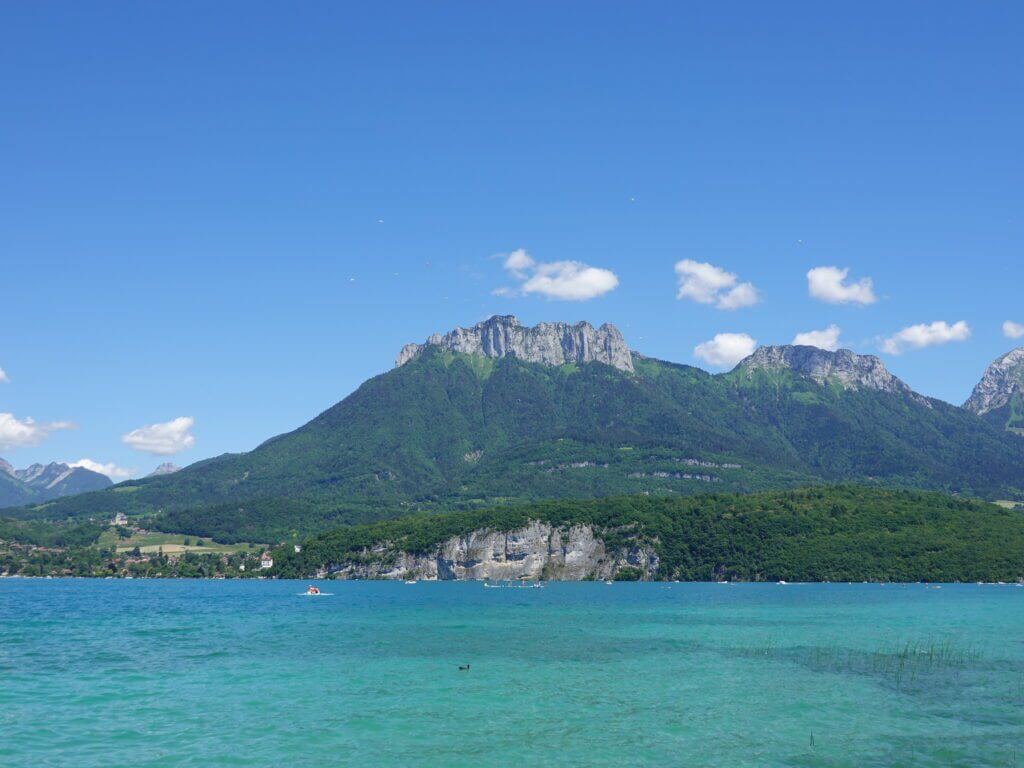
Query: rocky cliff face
1002,380
537,551
544,343
43,475
842,366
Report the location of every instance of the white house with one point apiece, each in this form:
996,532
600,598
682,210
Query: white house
266,561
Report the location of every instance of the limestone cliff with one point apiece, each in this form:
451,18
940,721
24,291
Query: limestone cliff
1002,380
849,370
544,343
536,551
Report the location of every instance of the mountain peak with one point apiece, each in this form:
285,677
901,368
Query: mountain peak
850,370
1001,381
544,343
167,468
43,474
44,482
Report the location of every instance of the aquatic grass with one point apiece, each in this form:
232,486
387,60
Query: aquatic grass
916,658
903,665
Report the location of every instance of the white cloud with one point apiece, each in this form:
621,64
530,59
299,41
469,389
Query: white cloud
162,439
1011,330
828,284
518,262
566,280
15,433
707,284
726,349
112,471
827,338
743,295
4,378
925,335
570,280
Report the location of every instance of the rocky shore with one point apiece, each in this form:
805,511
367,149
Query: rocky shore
535,551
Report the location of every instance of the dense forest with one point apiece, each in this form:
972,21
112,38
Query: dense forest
43,534
842,533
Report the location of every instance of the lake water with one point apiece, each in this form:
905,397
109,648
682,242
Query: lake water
246,673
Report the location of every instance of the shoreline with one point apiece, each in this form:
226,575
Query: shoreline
660,582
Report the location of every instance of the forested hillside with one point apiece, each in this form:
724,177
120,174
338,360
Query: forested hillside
449,431
811,534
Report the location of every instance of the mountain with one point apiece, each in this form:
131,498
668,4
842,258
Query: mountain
545,343
842,367
516,420
167,468
13,492
999,396
43,482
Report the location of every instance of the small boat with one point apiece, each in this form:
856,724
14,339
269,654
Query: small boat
410,581
608,582
313,590
781,582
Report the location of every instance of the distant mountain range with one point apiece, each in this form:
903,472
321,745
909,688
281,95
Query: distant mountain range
503,413
44,482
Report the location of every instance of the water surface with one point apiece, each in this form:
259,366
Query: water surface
210,673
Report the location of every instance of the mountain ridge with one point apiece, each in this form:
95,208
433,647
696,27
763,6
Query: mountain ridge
848,369
45,482
545,343
447,430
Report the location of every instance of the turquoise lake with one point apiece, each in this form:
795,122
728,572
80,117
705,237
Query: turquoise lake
244,673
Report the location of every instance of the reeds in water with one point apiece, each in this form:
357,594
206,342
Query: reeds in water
903,664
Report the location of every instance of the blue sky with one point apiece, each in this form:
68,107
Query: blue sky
237,212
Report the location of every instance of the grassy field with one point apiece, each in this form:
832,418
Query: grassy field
171,543
1010,504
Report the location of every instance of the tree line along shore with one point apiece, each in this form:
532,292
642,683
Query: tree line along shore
820,533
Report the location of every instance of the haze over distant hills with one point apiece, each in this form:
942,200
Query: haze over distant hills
501,413
43,482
